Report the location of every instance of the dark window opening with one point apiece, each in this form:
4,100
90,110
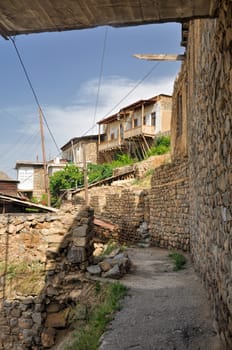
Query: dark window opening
153,118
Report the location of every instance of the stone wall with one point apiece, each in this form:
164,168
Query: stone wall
153,162
209,110
63,244
127,208
169,206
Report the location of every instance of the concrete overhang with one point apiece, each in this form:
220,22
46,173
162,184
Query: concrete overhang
27,16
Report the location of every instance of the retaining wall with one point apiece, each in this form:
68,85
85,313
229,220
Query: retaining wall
169,206
208,85
63,244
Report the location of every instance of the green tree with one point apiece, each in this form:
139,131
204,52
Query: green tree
69,177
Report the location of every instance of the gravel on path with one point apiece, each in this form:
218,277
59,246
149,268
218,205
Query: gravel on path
164,310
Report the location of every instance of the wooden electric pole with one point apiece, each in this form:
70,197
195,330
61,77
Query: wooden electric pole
46,186
85,176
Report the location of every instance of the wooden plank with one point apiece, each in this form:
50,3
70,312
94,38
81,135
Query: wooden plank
27,203
163,57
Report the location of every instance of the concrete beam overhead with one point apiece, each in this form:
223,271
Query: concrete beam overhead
26,16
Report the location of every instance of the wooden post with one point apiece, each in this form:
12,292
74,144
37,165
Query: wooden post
142,121
46,186
99,134
73,152
163,57
85,175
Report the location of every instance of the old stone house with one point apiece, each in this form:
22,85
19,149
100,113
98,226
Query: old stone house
74,149
134,127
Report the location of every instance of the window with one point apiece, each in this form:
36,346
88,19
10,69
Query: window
135,123
153,119
26,178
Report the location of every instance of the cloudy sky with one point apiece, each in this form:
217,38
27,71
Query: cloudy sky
76,83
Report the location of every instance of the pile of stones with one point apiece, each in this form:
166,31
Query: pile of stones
113,265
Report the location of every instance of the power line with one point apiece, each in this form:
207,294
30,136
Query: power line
33,91
133,89
100,74
129,92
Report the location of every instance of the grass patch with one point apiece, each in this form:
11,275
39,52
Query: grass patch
23,277
109,248
87,337
178,259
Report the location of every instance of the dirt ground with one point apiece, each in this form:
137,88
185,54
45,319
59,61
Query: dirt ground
164,310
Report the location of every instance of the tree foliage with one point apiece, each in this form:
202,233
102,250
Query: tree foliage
69,177
72,177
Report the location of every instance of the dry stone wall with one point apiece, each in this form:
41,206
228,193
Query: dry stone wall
169,206
63,243
209,111
127,208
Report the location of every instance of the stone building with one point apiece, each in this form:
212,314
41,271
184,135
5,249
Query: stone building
73,150
132,130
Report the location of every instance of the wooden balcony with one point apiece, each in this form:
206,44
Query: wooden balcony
145,130
107,145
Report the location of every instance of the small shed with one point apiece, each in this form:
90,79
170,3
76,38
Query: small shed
7,185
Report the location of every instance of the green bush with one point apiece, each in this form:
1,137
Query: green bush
178,259
97,172
69,177
72,177
122,160
161,146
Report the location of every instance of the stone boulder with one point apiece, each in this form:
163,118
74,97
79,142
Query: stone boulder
114,265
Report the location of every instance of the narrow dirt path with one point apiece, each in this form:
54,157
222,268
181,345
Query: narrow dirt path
164,310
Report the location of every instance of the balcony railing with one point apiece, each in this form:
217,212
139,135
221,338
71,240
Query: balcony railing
106,145
140,130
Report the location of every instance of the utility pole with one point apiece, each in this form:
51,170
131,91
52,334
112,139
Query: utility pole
85,175
46,186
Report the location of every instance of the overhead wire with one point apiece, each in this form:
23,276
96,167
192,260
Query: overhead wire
128,94
33,91
100,75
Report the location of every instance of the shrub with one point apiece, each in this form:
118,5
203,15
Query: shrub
178,259
161,146
69,177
